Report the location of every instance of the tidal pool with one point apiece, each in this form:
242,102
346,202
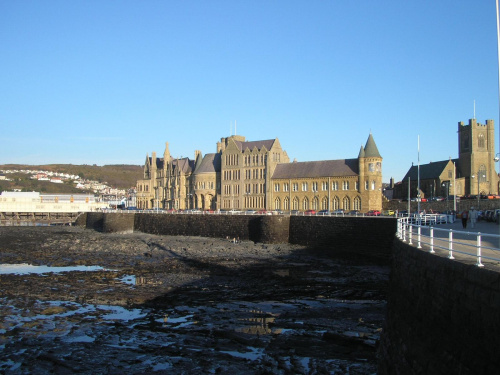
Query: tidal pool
25,269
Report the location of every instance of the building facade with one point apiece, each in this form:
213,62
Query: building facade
472,173
258,175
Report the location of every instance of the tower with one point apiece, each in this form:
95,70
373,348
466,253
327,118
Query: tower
476,153
370,175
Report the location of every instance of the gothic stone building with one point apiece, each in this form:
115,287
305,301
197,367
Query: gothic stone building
258,175
472,173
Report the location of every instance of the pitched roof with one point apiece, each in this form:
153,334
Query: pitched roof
259,144
209,164
184,164
324,168
428,171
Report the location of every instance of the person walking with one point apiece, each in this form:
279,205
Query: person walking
465,217
473,215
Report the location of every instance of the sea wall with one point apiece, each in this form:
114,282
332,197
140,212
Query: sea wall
364,237
369,237
443,316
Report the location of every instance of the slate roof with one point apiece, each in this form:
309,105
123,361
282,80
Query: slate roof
371,150
259,144
209,164
428,171
324,168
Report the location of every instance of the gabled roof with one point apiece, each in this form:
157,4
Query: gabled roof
259,144
209,164
185,165
325,168
428,171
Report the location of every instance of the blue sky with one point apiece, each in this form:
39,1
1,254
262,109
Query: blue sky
106,82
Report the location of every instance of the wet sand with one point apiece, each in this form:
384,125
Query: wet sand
182,305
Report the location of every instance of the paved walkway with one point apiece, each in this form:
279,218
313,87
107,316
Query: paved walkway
464,241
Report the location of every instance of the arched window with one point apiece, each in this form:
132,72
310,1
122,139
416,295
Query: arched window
482,173
305,204
335,203
373,185
357,203
277,204
315,203
324,203
286,204
295,203
480,141
346,204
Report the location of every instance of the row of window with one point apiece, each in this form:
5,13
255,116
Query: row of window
324,186
317,204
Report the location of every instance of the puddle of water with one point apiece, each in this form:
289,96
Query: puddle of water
24,269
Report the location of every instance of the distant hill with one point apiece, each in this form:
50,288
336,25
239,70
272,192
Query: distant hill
120,176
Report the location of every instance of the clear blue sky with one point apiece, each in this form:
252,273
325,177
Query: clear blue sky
106,82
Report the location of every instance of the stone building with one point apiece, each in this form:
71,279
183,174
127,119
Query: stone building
258,175
472,173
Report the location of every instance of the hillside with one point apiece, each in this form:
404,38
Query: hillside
118,176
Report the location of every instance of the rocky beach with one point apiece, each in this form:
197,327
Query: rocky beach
74,300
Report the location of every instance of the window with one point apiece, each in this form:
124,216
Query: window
345,185
315,203
295,186
335,185
373,185
480,141
295,203
285,186
346,204
304,186
305,204
366,185
314,186
335,203
324,203
286,204
277,204
324,186
277,187
357,203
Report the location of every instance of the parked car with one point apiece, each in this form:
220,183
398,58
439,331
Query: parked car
388,213
373,213
338,211
324,213
354,213
309,212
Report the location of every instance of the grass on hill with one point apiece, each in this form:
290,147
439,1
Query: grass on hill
119,176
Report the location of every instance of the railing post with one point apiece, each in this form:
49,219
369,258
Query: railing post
419,237
410,235
431,235
450,244
479,264
404,232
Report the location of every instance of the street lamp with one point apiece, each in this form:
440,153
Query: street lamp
447,184
479,176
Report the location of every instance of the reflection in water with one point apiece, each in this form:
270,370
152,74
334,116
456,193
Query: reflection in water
258,324
24,269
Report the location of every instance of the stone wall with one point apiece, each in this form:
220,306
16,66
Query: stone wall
266,229
363,237
443,316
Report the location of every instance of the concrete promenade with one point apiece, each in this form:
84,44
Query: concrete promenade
464,241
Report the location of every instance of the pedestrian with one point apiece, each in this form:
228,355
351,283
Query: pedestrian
473,215
465,217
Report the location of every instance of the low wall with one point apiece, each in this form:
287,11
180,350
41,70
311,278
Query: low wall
443,316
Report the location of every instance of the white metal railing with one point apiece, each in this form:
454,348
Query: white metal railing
471,244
